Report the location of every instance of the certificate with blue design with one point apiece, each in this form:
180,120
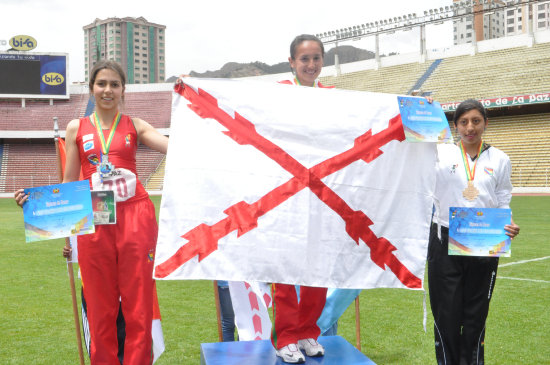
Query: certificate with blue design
56,211
423,121
479,231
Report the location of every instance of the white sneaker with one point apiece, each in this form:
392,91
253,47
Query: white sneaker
311,347
291,354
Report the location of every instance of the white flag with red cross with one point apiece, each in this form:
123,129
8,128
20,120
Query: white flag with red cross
280,183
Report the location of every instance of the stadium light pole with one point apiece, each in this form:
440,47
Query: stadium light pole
531,19
377,49
458,10
336,60
423,51
474,34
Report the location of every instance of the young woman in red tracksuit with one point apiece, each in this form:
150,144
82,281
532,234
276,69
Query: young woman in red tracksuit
295,322
116,261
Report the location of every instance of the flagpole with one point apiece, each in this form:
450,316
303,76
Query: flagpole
357,324
218,315
68,245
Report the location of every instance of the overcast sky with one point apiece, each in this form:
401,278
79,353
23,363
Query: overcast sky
204,35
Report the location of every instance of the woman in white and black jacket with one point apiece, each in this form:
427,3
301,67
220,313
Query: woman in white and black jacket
469,174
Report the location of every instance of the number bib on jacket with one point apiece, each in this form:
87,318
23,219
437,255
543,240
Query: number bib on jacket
122,182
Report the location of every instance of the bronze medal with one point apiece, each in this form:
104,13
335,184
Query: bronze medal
471,192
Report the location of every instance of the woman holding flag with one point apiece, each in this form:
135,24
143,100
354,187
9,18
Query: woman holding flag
116,261
295,322
469,174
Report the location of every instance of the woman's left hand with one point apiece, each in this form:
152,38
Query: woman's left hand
20,197
67,252
511,229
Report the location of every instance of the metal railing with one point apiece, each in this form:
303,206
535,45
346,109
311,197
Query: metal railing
13,182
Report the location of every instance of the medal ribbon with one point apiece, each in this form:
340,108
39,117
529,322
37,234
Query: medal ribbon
297,82
470,174
106,145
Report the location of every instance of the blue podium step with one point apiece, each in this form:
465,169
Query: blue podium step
337,352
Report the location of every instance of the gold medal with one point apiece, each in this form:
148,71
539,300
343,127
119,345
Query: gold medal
471,191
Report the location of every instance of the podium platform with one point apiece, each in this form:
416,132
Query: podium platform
337,352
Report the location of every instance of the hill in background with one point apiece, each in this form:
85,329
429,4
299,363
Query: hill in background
346,54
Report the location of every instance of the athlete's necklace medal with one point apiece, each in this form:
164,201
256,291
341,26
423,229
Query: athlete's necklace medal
471,192
297,82
105,168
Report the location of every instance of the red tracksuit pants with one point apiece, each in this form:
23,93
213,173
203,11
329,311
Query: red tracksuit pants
117,262
295,320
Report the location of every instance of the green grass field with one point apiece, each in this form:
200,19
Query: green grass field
36,321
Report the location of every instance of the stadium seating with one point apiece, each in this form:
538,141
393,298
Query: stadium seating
148,162
28,164
33,163
154,107
393,79
38,114
508,72
501,73
525,139
156,180
498,73
20,157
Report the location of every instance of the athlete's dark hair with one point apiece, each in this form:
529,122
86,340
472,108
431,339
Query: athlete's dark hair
466,106
110,65
302,38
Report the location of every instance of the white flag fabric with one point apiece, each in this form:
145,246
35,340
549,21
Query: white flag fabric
280,183
74,250
158,339
250,302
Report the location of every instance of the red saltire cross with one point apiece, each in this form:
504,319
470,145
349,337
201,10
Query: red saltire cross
243,217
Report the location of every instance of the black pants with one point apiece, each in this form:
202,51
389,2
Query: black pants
226,313
460,290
